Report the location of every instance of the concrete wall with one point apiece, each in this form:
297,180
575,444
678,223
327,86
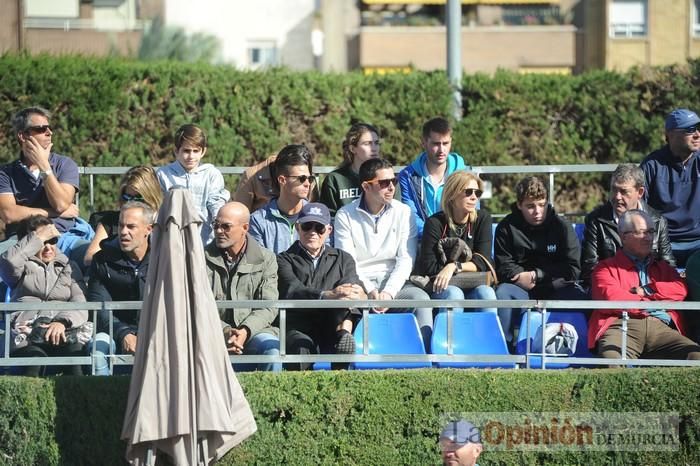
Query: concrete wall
483,48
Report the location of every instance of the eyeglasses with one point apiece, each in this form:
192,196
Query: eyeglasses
383,184
469,192
132,197
53,240
40,129
690,129
302,178
317,227
641,233
226,227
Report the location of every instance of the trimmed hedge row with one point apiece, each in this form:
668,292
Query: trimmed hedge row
375,417
114,112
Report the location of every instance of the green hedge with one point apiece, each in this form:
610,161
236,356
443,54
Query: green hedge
360,418
113,112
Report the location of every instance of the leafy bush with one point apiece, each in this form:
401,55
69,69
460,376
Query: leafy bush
114,112
373,417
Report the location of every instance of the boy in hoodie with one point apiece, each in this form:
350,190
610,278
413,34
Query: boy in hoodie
204,181
422,181
536,252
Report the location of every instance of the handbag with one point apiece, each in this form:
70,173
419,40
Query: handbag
457,249
74,335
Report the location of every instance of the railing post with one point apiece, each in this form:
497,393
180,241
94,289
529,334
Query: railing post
625,318
528,346
283,332
365,331
543,342
450,320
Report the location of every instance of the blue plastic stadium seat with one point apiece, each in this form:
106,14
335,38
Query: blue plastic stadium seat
472,333
390,334
577,319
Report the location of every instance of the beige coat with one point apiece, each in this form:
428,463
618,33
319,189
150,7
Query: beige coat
31,280
254,278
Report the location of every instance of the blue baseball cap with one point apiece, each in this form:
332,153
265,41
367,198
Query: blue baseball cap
681,118
461,432
314,212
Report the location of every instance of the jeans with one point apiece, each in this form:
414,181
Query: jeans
479,292
683,250
104,346
264,344
424,315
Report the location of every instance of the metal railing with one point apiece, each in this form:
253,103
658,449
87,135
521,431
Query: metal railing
284,305
549,170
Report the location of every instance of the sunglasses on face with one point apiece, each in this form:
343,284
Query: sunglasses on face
132,197
469,192
302,178
690,129
383,184
226,227
317,227
53,240
41,129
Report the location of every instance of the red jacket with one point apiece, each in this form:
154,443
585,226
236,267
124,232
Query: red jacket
612,280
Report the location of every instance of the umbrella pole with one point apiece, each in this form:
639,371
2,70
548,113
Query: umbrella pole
202,450
150,458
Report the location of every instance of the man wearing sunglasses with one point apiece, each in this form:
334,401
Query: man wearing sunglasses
311,270
672,185
39,182
273,224
422,181
240,269
379,232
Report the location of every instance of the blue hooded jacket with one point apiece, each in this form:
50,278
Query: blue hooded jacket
418,192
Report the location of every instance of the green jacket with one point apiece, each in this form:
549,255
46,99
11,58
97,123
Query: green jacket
254,278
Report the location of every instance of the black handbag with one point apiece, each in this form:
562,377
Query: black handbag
38,333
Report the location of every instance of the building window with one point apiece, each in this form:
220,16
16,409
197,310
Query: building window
262,53
51,9
628,18
696,18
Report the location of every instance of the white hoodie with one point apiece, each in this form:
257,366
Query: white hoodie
384,247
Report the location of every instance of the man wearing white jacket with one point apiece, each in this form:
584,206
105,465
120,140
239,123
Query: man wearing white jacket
379,232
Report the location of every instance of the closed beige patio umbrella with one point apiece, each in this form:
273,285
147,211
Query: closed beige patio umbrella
184,399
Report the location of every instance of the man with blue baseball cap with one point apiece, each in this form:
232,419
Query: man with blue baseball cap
460,443
671,174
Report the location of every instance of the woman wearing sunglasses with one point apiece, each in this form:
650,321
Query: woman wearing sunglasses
37,271
459,218
138,184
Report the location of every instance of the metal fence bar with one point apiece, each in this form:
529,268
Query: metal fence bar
119,359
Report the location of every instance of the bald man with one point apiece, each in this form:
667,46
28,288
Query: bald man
240,269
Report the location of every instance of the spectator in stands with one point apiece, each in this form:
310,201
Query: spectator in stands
311,270
256,187
41,182
600,238
239,268
536,251
138,184
273,225
460,443
37,271
204,181
634,274
422,181
672,185
118,273
458,218
342,185
379,232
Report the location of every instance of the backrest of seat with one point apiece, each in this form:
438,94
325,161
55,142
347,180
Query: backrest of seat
473,333
391,334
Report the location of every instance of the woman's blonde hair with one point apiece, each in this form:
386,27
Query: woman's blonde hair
144,181
454,187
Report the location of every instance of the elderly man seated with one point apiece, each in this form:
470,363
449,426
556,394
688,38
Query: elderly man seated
634,274
311,270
